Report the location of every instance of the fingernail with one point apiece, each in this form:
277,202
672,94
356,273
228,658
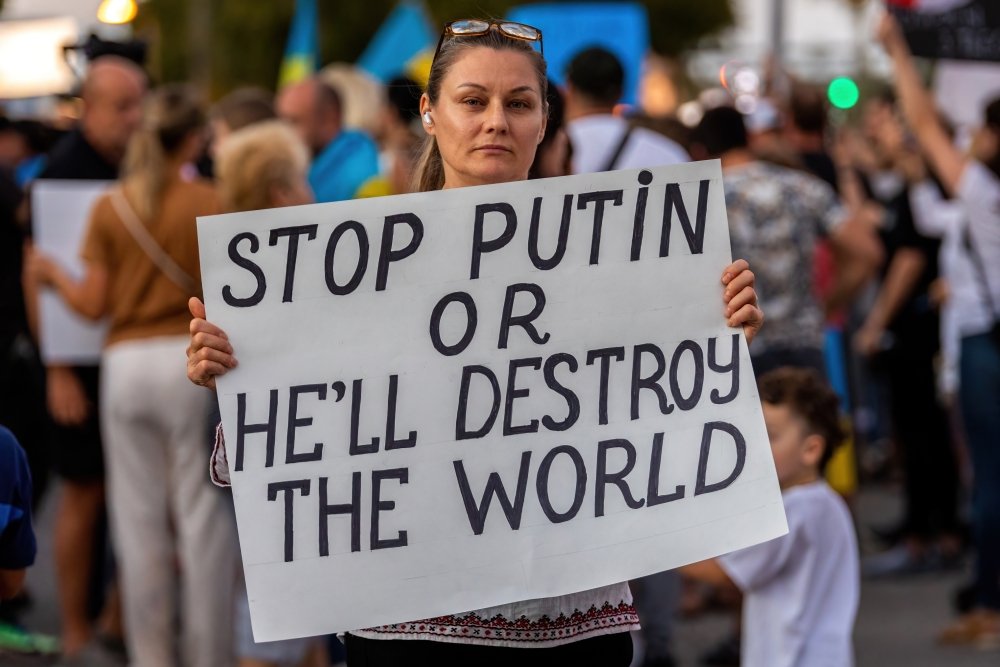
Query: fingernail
726,277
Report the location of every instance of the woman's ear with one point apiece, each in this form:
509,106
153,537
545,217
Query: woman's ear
545,123
426,118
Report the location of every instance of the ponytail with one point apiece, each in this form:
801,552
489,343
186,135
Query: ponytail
170,115
144,167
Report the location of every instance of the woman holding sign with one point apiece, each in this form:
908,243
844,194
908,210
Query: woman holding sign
485,113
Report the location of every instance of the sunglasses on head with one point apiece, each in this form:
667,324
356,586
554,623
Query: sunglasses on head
476,27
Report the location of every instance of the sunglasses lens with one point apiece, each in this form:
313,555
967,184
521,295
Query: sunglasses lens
520,31
469,27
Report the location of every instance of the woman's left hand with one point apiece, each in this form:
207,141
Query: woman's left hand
741,299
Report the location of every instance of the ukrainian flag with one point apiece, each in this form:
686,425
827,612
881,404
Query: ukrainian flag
302,48
404,44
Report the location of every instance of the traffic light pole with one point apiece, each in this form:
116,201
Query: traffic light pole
778,31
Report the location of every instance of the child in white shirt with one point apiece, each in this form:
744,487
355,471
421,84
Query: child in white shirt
800,590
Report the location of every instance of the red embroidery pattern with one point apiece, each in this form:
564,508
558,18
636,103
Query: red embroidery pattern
521,629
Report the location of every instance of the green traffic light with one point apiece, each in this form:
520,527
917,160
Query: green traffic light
843,93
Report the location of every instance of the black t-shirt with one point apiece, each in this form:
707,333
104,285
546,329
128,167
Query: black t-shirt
821,165
74,158
13,320
898,232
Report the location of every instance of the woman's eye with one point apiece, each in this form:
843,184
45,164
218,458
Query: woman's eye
520,104
472,102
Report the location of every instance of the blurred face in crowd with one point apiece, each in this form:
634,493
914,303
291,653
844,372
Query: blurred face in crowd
13,149
796,452
316,120
884,130
489,117
985,144
112,99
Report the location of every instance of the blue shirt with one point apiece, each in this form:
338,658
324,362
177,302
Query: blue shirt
343,166
17,538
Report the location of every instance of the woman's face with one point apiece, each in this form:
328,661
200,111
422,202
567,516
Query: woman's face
488,119
985,144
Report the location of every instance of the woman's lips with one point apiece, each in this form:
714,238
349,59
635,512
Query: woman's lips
494,148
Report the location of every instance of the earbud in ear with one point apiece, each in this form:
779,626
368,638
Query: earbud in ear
427,118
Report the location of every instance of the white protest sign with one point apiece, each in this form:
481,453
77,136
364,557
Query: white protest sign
60,212
452,400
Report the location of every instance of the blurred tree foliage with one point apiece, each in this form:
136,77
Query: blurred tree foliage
248,36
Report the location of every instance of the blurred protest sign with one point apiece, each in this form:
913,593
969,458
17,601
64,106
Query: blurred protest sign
956,29
457,399
963,88
60,212
567,28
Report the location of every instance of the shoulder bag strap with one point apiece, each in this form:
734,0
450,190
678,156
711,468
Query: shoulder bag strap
613,159
160,258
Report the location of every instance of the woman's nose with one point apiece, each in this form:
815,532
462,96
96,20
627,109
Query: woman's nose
497,118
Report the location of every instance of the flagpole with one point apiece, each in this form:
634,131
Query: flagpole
200,44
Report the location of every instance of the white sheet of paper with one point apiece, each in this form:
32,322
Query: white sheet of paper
561,536
60,211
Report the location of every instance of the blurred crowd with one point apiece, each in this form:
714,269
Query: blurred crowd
874,238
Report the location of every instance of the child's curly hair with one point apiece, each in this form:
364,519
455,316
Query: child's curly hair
810,397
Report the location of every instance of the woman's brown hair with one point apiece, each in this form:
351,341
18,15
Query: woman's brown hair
429,171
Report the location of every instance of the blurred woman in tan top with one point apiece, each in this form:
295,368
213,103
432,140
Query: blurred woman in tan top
141,256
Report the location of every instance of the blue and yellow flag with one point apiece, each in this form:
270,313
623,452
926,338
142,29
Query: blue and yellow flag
302,48
403,44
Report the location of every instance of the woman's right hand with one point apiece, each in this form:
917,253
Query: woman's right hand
210,353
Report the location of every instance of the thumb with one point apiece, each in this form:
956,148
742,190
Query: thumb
196,307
